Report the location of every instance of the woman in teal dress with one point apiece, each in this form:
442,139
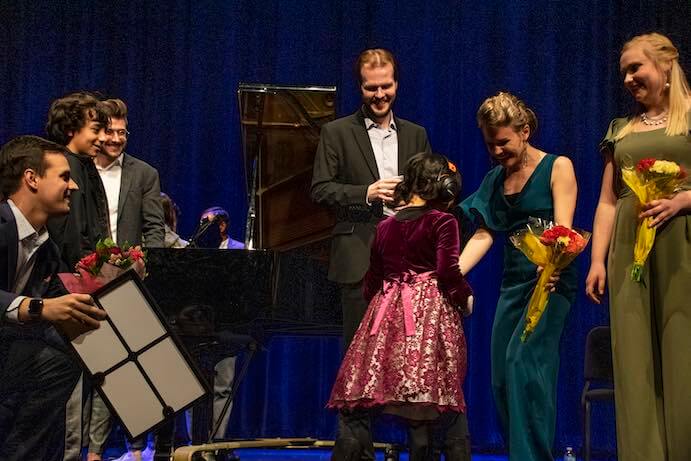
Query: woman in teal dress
526,183
651,320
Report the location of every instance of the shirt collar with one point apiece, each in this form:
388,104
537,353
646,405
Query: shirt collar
369,123
116,162
24,228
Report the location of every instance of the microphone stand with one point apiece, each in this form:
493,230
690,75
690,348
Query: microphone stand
202,227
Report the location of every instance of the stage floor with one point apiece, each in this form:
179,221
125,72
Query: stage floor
299,454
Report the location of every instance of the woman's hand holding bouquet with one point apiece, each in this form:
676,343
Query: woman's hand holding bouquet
653,182
551,247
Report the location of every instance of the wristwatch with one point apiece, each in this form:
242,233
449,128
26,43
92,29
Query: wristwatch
35,309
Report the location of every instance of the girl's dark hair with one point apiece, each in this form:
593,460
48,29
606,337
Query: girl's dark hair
432,177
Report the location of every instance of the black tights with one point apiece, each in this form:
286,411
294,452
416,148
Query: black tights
426,440
448,434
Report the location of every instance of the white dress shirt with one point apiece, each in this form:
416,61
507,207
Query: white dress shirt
111,176
384,142
29,241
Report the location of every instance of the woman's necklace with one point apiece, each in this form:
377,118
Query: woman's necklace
654,121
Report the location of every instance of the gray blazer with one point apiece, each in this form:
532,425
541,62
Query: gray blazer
140,212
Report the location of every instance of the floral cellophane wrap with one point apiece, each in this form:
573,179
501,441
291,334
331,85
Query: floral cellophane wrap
552,247
103,265
649,180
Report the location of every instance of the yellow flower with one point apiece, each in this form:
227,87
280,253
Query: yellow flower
563,240
664,167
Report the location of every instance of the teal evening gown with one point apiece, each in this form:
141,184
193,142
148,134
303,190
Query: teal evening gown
524,375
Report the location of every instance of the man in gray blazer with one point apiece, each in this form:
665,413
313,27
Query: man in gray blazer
136,217
132,185
358,163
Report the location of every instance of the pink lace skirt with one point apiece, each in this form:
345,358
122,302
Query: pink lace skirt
408,355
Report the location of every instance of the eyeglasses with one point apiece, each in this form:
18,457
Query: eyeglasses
121,133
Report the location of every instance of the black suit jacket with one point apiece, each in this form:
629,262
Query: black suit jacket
43,281
344,166
140,211
77,233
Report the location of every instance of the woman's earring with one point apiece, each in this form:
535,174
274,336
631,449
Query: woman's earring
667,86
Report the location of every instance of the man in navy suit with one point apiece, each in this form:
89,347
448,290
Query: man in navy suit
37,373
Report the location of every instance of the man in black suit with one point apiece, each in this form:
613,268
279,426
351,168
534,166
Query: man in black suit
37,374
357,165
78,121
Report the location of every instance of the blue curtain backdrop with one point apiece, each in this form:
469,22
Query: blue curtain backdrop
177,64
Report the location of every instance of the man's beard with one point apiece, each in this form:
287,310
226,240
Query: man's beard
371,105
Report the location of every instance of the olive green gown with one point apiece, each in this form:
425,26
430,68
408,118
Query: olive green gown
524,375
651,320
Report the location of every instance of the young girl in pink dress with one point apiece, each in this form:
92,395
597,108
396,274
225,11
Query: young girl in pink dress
408,356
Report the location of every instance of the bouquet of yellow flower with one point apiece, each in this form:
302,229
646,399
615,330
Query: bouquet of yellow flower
103,265
552,247
650,180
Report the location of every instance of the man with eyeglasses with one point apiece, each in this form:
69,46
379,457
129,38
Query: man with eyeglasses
136,217
132,185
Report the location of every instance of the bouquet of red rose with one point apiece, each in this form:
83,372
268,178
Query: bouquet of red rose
552,247
651,179
103,265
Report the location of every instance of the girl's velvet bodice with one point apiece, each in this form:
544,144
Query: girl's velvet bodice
415,241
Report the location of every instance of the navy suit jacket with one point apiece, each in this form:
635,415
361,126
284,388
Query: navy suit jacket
43,281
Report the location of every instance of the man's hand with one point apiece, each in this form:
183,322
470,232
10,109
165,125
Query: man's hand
73,309
382,189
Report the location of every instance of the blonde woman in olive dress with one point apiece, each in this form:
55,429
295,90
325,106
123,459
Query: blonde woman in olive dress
651,320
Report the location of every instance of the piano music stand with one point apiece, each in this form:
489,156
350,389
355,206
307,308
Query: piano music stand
139,367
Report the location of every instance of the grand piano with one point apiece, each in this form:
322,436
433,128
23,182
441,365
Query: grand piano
281,278
218,300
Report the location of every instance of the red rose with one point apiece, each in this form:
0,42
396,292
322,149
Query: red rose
89,261
115,250
644,165
135,253
576,243
550,236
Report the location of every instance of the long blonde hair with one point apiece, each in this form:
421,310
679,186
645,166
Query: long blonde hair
660,49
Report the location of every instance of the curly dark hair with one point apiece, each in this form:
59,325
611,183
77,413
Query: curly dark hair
20,154
432,178
70,113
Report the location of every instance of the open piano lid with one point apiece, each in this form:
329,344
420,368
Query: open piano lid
280,132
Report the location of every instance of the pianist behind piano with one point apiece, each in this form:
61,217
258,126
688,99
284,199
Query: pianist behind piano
220,221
